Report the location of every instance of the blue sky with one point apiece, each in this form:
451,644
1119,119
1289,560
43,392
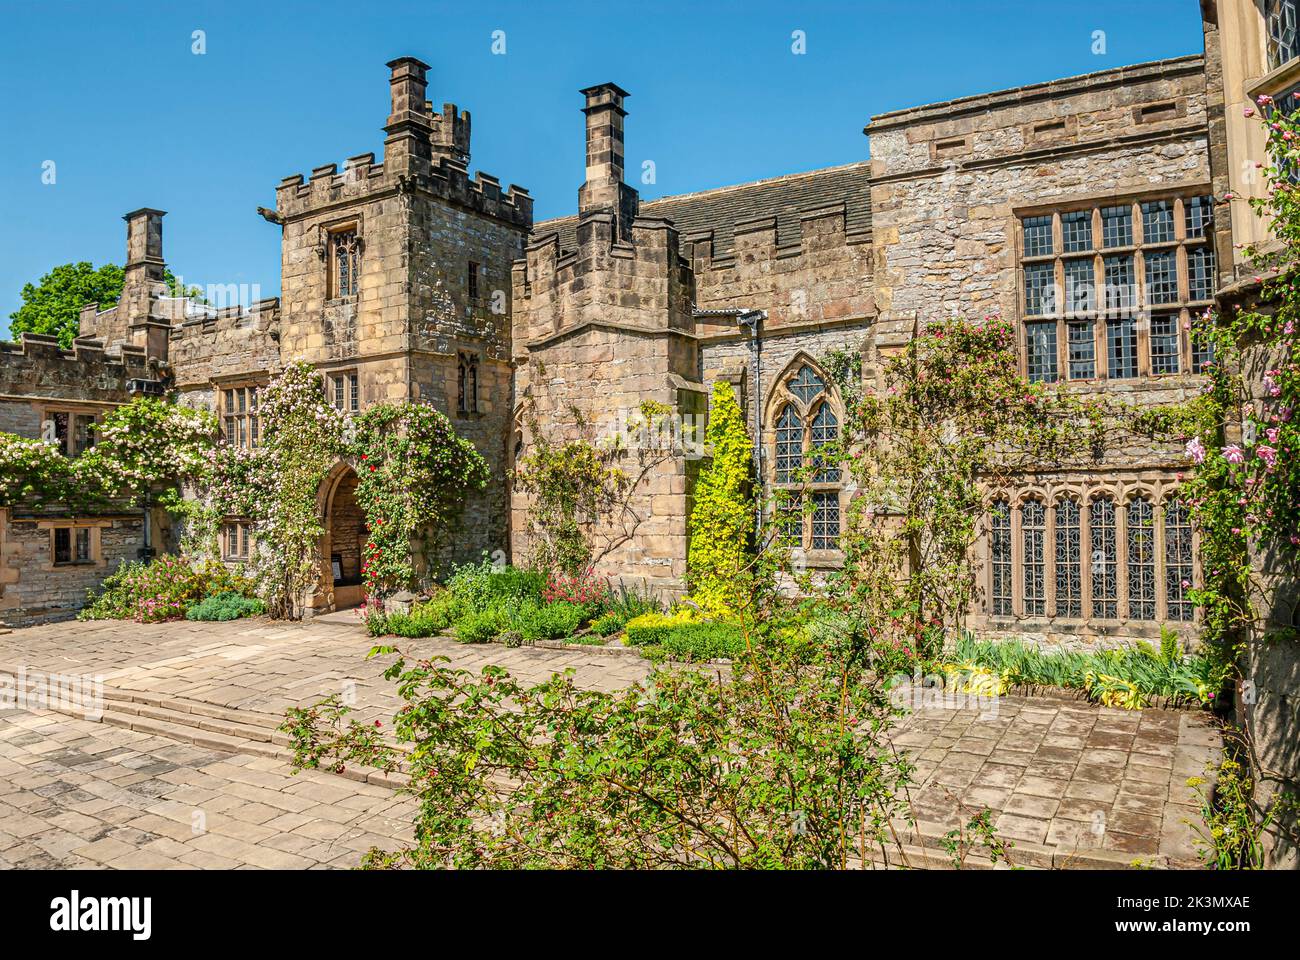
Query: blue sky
112,93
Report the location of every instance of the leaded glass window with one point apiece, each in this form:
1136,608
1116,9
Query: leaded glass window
1283,39
806,385
1165,349
789,445
1080,287
1178,560
804,456
1199,216
240,418
1076,231
346,258
826,520
1141,560
1069,560
1202,352
1082,350
1119,284
1040,289
1103,558
1200,273
1000,557
1162,277
1040,352
1158,221
1117,226
1121,349
825,429
1038,236
1033,529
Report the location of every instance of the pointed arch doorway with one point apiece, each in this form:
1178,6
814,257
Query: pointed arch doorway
345,536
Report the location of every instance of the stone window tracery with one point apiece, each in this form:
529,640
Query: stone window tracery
805,415
1098,554
345,262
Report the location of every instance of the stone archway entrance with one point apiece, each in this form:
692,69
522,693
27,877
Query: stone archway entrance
345,535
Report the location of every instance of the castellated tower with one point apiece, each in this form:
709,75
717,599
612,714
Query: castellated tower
396,282
598,331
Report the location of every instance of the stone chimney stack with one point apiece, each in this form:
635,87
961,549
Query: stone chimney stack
604,190
142,283
409,125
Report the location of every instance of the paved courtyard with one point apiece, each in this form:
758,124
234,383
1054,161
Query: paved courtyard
186,769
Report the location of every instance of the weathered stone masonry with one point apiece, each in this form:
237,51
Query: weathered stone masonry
408,279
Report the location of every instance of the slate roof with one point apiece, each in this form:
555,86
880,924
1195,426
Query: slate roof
722,208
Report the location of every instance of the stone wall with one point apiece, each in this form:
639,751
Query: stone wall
33,588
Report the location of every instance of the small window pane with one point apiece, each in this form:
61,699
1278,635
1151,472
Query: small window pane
1000,551
1083,350
789,445
1119,284
825,430
1178,560
1141,561
826,521
1162,277
1076,231
1121,349
1033,527
1202,352
1040,352
1040,284
1069,560
1117,226
1105,583
1038,236
1199,215
83,544
1080,287
1158,221
63,545
1200,273
1165,353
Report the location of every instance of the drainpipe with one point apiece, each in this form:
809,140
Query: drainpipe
753,320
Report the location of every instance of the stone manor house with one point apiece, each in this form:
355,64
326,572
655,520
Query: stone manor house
1080,207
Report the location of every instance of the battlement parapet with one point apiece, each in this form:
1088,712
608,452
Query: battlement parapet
449,180
38,366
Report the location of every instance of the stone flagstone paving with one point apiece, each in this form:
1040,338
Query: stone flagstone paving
1070,783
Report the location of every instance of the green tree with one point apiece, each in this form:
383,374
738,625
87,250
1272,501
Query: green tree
722,521
52,306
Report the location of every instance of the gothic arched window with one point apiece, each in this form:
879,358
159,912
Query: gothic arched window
805,419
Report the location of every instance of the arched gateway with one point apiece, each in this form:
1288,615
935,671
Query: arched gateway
342,542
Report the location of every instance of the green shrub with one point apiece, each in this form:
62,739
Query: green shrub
480,586
703,641
226,606
481,627
609,623
722,519
511,638
555,621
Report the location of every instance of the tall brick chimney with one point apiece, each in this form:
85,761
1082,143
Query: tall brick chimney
604,190
408,125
